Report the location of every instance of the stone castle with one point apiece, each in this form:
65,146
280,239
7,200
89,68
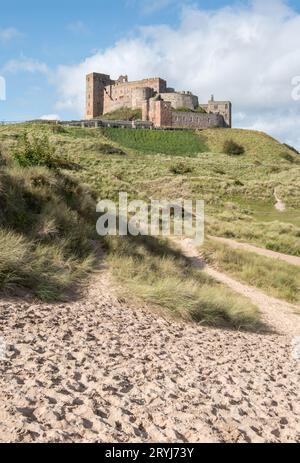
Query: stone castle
159,104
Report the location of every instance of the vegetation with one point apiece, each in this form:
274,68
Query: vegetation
175,143
152,271
278,279
180,168
231,147
238,193
46,226
189,110
34,151
123,114
291,148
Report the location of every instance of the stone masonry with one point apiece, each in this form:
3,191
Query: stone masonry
160,104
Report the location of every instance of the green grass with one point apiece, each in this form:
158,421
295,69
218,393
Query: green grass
184,143
152,271
123,114
278,279
238,193
46,226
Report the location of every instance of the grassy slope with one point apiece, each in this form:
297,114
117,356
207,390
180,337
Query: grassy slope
275,278
233,188
45,224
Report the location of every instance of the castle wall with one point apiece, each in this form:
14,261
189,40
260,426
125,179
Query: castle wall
131,94
181,100
197,120
139,95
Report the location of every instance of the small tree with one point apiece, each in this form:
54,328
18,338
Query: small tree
233,148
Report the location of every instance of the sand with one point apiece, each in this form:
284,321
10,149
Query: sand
100,370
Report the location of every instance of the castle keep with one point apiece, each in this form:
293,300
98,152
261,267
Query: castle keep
160,104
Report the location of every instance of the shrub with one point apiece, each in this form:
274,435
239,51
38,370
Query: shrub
233,148
291,148
34,151
180,168
58,128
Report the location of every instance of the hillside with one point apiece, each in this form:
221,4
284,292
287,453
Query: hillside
147,339
238,192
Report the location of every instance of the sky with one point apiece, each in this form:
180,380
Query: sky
246,51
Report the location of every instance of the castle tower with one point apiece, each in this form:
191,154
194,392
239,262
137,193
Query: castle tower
95,85
221,107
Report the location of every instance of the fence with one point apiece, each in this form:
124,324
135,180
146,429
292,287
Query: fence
99,123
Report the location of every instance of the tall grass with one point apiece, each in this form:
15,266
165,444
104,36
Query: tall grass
151,270
276,278
46,226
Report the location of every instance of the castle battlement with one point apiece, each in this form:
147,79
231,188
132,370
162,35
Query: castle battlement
157,101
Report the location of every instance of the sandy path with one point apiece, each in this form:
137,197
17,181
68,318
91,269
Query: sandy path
261,251
279,315
280,206
99,370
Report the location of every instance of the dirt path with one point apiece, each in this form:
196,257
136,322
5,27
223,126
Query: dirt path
100,370
278,315
280,206
295,260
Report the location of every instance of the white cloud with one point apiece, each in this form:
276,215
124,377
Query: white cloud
248,54
50,117
24,64
9,33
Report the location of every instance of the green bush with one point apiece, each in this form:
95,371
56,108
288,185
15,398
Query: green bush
233,148
180,168
58,128
34,151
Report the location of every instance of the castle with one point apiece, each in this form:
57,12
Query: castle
159,104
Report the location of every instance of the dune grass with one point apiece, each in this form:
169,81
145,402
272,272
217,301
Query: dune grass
46,226
238,193
276,278
152,271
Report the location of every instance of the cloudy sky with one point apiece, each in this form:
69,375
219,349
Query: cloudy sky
245,51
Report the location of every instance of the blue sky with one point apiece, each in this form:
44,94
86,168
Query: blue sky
46,48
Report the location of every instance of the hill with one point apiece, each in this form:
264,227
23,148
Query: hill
238,191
